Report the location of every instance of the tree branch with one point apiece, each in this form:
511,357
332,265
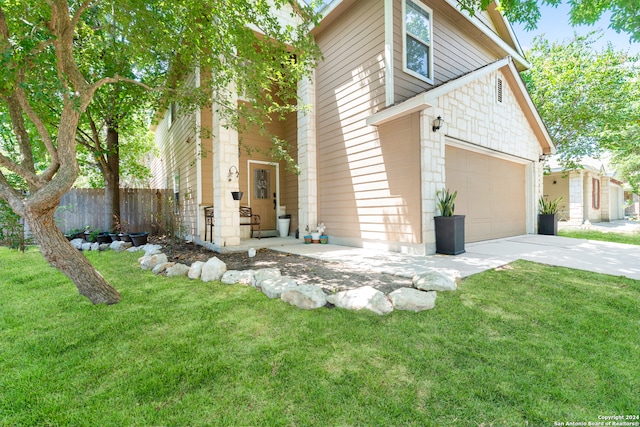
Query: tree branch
31,178
78,13
11,195
38,123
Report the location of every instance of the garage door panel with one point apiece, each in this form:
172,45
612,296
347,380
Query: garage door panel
491,193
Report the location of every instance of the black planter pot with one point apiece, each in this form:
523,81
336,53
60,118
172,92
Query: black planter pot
139,239
114,237
237,195
450,234
104,238
124,237
548,224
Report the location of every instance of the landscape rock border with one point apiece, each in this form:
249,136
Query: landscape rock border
420,297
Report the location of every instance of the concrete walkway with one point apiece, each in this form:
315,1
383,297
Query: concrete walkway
600,257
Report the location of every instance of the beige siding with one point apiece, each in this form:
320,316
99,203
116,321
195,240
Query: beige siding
367,176
491,193
255,147
455,51
177,150
372,190
557,185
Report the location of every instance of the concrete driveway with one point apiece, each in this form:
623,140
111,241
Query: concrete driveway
600,257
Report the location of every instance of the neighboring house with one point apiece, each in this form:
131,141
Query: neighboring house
589,193
371,161
632,205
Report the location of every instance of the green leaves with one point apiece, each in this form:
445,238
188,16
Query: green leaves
625,15
548,207
446,202
587,98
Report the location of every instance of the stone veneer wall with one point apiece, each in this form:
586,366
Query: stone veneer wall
472,115
307,158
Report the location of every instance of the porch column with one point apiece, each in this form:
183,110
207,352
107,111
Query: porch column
605,197
226,231
432,174
576,202
307,157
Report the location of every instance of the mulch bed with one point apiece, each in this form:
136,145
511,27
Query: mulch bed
331,276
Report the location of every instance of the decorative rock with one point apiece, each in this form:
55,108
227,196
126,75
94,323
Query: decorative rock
150,249
265,273
273,288
177,270
306,297
117,245
86,246
244,277
136,249
362,298
412,299
212,270
441,279
95,246
103,247
148,262
77,243
196,270
161,268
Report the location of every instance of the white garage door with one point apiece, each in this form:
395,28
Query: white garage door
491,193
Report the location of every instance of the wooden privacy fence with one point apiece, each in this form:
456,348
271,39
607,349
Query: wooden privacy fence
141,209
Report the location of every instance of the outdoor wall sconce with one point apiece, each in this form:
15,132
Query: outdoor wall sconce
233,173
544,157
437,123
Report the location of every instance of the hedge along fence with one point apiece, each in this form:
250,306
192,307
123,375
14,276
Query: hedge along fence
141,209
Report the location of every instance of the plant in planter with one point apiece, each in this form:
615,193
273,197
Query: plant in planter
91,235
548,216
307,235
77,233
104,237
449,227
315,235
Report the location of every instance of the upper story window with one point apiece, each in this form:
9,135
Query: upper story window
417,41
171,114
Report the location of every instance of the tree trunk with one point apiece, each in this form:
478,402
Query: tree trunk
112,179
62,255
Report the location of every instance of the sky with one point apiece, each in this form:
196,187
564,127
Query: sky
554,25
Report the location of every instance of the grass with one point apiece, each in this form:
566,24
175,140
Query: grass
628,238
526,345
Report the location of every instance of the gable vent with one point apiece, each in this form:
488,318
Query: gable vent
499,90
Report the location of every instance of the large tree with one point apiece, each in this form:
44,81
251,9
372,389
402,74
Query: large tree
46,85
625,14
587,98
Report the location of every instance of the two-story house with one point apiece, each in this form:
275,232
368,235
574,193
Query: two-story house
412,96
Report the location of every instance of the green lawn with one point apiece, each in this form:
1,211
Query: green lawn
525,346
629,238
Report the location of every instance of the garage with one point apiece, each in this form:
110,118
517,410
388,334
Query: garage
491,193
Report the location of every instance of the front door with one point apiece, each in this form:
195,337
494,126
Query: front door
263,194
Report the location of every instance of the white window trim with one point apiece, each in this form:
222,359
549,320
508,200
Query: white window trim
428,79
